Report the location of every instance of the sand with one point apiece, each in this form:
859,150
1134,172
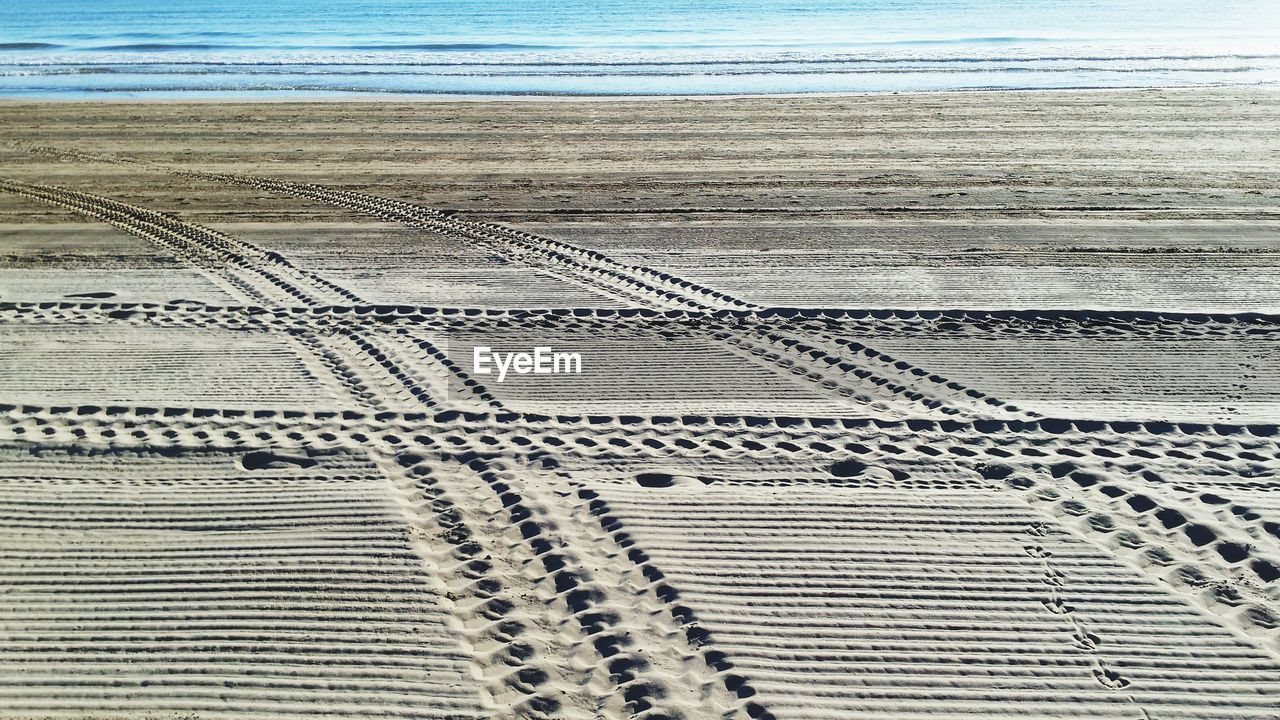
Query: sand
894,406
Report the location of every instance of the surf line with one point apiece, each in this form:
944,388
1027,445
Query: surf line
542,361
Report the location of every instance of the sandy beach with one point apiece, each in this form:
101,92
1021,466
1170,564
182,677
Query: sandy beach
892,406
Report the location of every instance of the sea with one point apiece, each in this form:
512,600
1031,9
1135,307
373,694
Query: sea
362,48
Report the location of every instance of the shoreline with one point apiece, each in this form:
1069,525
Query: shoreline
310,97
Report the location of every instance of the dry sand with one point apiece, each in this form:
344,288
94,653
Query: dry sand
918,406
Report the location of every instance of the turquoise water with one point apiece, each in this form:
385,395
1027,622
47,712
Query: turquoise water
77,48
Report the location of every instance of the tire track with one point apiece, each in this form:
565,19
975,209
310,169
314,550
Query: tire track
646,287
840,368
646,665
595,270
633,284
719,667
516,644
258,275
1226,451
1247,604
657,651
262,275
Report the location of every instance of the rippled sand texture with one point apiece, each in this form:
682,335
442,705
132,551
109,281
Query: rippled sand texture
932,406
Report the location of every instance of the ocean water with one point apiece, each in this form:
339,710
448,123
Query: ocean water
158,48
